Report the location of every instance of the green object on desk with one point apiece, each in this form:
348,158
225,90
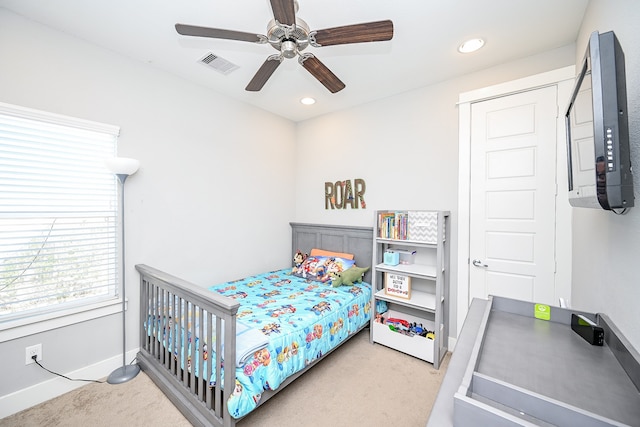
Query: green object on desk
542,312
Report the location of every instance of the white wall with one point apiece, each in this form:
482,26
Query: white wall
208,182
404,147
606,246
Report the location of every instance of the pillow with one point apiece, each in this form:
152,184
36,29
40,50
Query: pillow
322,252
318,268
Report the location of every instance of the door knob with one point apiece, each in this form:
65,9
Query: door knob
478,263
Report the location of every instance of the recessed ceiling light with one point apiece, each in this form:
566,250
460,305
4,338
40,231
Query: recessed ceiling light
308,101
470,45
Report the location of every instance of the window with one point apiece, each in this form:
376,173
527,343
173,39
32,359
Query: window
58,213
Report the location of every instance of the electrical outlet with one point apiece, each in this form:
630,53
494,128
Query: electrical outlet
34,350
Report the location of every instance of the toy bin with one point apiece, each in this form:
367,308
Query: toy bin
417,346
423,226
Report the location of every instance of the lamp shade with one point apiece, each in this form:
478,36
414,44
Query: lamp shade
122,165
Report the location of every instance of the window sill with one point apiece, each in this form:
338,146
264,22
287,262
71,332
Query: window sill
18,328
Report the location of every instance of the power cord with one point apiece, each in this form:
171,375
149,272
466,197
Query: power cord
622,212
35,359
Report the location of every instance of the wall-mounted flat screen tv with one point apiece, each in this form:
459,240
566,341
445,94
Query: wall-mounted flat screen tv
597,129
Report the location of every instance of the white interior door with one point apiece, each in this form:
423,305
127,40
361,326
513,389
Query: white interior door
512,196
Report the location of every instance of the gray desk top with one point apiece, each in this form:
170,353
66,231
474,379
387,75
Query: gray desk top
544,357
550,359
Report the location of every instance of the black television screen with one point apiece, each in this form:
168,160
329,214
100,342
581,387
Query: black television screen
597,129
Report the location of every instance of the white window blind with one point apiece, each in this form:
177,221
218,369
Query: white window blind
58,212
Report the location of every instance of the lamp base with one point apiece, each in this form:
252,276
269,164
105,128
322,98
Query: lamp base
123,374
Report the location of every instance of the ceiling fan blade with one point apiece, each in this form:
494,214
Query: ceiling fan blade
377,31
217,33
321,72
284,11
263,74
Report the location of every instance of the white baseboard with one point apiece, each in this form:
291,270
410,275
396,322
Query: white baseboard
452,343
46,390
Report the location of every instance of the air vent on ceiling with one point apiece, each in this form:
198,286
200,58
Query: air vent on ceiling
219,64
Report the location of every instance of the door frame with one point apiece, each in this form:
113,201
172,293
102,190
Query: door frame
564,79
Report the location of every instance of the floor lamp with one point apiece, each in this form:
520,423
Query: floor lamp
123,167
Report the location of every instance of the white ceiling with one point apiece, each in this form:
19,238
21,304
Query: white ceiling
422,52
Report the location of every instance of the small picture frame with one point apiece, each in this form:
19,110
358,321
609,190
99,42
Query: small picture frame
397,285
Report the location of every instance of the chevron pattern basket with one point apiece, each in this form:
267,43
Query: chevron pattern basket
423,226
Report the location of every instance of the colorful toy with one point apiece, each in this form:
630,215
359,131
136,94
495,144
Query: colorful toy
400,326
347,277
381,306
404,327
398,322
418,329
298,259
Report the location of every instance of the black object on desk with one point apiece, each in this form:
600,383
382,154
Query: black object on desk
588,330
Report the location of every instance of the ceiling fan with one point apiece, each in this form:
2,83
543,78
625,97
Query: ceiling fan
290,35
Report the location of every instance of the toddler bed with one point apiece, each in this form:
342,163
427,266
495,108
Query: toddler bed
272,327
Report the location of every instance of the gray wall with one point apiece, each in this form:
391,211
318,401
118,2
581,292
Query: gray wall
404,147
423,125
197,206
207,185
606,247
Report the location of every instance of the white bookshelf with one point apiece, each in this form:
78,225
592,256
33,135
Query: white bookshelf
426,232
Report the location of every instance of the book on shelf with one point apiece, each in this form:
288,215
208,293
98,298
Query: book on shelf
393,225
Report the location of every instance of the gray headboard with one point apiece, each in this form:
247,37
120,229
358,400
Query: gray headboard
339,238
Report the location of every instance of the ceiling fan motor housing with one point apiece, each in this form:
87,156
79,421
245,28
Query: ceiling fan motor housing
288,39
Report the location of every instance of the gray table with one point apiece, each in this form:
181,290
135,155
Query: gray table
511,369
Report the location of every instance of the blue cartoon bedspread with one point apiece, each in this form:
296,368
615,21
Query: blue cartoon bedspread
302,319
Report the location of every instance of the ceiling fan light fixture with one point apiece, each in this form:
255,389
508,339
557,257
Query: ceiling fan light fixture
471,45
289,49
307,100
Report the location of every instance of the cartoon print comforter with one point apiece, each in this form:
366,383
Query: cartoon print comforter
302,319
289,322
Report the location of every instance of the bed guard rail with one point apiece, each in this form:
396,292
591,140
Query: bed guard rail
173,312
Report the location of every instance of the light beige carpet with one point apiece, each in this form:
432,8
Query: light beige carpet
358,384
